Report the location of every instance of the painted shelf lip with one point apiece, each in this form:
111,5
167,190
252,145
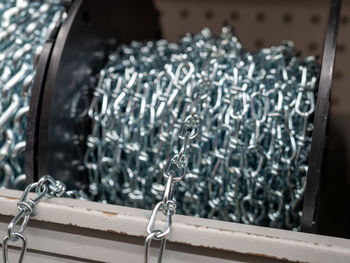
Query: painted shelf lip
197,232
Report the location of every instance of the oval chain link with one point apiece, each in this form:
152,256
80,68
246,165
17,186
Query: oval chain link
45,187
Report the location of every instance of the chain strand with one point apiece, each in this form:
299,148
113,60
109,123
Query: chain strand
45,187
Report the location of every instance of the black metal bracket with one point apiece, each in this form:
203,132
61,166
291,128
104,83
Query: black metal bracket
30,164
309,220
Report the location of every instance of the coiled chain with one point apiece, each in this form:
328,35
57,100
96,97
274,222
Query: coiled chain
237,124
249,162
25,26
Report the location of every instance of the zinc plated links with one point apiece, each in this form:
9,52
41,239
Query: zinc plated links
250,159
46,187
174,171
25,25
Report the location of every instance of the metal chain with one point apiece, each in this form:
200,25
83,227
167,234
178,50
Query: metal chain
174,171
249,162
25,26
45,187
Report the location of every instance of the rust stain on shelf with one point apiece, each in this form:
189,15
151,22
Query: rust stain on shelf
265,236
233,231
11,198
109,214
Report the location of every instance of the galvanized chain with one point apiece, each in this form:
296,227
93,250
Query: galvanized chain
174,171
248,163
45,187
24,28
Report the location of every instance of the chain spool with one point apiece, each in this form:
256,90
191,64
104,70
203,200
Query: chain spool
48,133
250,160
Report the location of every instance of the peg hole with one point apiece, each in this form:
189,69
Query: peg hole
312,46
287,18
315,19
260,17
341,47
209,15
234,16
344,20
338,75
184,13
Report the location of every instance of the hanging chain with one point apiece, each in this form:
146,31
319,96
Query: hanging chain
174,171
45,187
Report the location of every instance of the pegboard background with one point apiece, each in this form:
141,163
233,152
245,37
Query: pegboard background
263,23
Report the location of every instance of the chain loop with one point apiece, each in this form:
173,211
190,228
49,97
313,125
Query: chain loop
26,207
15,237
167,205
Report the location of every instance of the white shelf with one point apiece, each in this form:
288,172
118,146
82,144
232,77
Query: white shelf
79,230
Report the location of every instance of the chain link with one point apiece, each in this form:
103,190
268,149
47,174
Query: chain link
168,205
45,187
